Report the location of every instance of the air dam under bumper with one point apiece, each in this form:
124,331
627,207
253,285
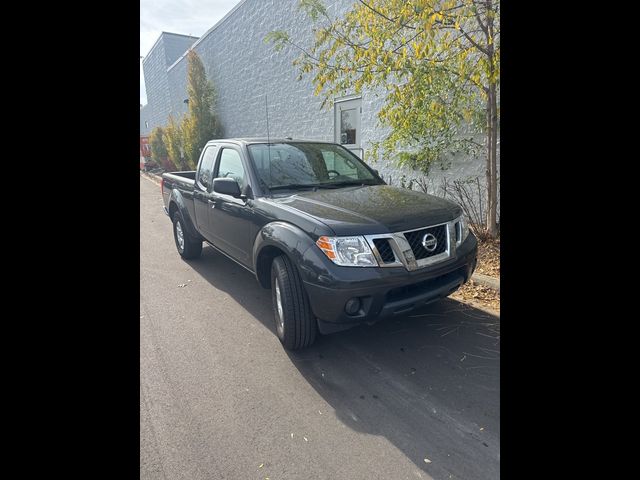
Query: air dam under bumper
384,292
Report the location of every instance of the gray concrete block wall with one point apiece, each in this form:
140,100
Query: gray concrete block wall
155,80
178,89
244,69
145,120
175,45
164,52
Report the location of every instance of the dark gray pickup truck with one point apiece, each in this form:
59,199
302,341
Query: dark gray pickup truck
335,244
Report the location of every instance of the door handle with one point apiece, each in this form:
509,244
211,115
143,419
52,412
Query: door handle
212,203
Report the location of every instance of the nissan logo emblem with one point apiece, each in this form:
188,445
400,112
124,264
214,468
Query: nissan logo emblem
429,242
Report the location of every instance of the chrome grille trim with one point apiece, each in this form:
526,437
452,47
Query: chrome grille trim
404,256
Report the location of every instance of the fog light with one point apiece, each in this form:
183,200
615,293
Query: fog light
352,306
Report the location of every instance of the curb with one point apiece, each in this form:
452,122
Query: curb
151,176
486,280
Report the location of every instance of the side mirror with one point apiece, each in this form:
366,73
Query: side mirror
226,186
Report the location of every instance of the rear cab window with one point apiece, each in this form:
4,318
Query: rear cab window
204,175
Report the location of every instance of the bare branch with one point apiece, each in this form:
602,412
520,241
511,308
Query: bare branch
377,12
473,42
479,19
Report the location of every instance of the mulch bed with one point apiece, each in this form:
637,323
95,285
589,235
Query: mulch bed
488,264
489,258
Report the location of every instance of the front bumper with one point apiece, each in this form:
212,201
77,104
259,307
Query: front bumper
383,292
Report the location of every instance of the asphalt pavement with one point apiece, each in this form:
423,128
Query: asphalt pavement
413,397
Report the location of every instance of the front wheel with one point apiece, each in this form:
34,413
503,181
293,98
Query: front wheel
188,247
296,325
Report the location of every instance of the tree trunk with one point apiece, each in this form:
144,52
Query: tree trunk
492,164
492,133
488,160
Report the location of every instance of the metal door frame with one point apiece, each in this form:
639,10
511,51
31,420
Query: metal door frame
356,148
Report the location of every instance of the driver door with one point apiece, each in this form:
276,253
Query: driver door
202,191
230,218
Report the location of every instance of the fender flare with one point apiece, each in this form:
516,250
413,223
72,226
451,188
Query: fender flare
177,198
274,236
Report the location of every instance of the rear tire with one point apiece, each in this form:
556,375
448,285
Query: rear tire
188,247
296,326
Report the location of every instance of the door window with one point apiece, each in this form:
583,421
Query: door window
230,166
348,127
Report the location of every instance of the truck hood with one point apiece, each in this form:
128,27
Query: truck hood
371,209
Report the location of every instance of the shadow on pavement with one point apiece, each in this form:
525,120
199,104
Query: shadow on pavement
429,382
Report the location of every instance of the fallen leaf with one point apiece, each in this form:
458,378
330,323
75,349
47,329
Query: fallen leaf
292,435
481,428
426,460
305,439
261,465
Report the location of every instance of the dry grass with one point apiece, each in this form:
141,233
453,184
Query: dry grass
488,264
489,258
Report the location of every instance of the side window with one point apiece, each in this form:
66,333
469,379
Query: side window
205,173
341,164
230,166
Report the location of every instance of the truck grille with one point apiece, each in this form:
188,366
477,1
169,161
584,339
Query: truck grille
405,249
384,249
415,241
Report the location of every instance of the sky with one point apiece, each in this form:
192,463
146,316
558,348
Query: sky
188,17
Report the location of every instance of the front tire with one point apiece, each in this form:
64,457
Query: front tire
296,325
188,247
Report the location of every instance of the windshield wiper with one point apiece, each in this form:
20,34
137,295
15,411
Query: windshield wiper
346,184
315,186
294,186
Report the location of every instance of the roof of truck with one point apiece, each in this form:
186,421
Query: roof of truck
251,140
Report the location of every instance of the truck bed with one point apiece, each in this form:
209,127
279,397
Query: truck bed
181,176
182,181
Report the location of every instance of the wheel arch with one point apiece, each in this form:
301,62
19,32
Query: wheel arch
263,264
274,239
177,203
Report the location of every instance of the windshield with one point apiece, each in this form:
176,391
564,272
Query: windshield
299,165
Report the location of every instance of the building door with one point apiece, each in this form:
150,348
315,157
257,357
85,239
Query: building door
347,113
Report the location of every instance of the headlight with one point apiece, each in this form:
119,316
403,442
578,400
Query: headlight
347,251
462,229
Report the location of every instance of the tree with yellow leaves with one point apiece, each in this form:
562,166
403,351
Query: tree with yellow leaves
438,64
201,124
